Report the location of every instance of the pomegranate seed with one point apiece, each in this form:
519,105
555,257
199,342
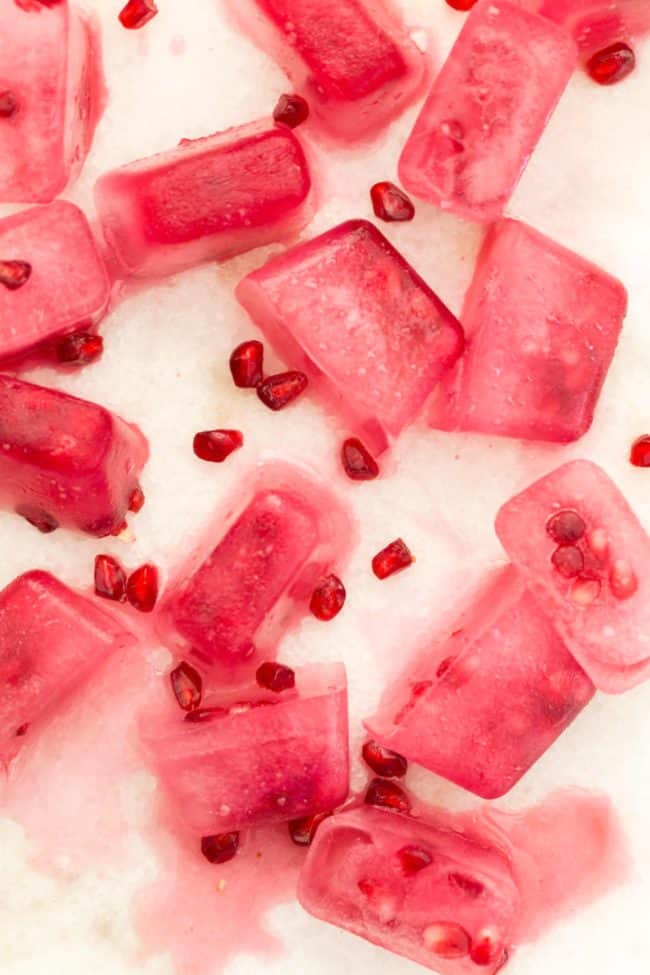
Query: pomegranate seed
79,349
383,902
444,666
566,527
423,686
136,501
622,580
487,948
392,559
22,730
358,464
202,715
328,598
390,203
247,363
640,452
380,792
275,677
598,542
187,685
14,274
612,64
585,591
220,848
110,578
137,13
40,519
302,831
278,391
216,445
568,560
412,859
291,110
383,761
8,104
242,707
461,4
142,588
447,940
473,888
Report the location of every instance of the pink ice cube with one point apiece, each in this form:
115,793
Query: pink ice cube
419,888
51,638
594,24
542,325
66,461
482,705
348,309
586,559
354,62
258,757
255,568
50,77
208,199
67,288
487,110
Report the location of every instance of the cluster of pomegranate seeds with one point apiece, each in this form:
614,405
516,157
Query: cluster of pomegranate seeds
278,391
302,831
79,349
291,110
328,598
358,463
8,104
142,588
383,761
187,685
447,940
110,579
275,677
136,501
45,522
137,13
392,559
215,445
381,792
14,274
220,848
640,452
412,859
390,203
612,64
247,364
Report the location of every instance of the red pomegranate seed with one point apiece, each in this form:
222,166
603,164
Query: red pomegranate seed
566,527
444,666
201,715
220,848
461,4
622,579
612,64
137,13
8,104
136,501
358,464
302,831
79,349
640,452
278,391
487,948
40,519
275,677
568,560
381,792
14,274
187,685
216,445
392,559
412,859
473,888
390,203
142,588
291,110
110,578
447,940
585,590
423,686
328,598
247,363
383,761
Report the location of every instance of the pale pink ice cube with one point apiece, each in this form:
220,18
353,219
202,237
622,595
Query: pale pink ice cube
68,287
354,62
594,24
586,559
482,705
350,311
542,325
208,199
487,110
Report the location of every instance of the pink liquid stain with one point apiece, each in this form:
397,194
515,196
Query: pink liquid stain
177,45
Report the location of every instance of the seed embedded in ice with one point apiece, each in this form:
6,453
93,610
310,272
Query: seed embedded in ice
247,364
382,792
328,598
394,558
473,888
8,104
447,940
275,677
612,64
215,446
137,499
640,452
487,948
358,463
622,579
15,274
280,390
598,543
137,13
203,715
45,522
110,578
291,110
390,203
187,685
79,349
142,588
566,527
461,4
384,762
413,858
302,831
585,591
220,848
568,560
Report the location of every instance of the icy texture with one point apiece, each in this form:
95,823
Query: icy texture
595,24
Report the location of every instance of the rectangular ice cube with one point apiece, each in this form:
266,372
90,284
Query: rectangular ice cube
594,24
542,325
208,199
351,312
487,110
586,559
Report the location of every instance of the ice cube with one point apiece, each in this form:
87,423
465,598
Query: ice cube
594,24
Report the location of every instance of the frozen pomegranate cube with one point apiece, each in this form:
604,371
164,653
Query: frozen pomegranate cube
258,757
481,706
50,68
595,24
255,567
542,325
67,286
347,309
51,638
487,110
355,62
66,461
208,199
444,897
586,559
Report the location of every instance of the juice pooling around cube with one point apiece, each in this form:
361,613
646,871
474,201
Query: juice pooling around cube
67,288
586,559
482,706
347,308
352,59
487,110
209,199
50,66
542,325
594,24
65,461
452,897
263,758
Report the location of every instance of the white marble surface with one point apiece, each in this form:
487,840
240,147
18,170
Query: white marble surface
165,367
